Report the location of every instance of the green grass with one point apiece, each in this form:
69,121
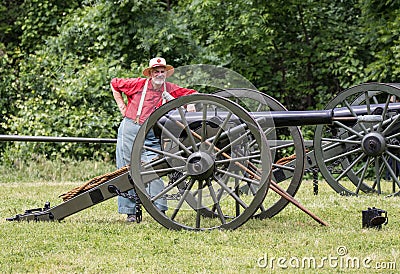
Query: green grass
97,240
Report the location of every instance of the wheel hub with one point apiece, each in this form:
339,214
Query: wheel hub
373,144
200,165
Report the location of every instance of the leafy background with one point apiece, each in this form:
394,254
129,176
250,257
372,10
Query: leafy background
58,57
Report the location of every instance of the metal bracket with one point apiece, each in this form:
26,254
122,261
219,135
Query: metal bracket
35,213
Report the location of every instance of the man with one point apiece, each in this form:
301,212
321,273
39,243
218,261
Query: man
144,95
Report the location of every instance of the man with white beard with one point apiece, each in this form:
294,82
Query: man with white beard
144,95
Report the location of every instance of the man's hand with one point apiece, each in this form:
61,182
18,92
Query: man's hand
191,108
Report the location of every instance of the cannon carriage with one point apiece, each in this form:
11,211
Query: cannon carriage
221,164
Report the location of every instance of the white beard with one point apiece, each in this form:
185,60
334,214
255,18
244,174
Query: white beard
158,81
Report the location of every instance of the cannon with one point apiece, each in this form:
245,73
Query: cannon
221,164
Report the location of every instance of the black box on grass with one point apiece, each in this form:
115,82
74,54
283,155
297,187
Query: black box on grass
374,218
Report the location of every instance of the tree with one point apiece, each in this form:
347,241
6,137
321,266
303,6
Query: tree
299,52
380,25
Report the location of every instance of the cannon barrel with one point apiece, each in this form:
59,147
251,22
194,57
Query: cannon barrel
301,118
270,118
293,118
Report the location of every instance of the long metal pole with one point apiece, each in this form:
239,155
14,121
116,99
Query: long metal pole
55,139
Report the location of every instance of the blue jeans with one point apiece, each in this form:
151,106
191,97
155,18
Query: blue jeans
127,132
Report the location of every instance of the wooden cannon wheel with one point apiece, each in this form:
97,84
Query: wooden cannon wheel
208,156
364,157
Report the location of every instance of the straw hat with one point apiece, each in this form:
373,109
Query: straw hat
158,62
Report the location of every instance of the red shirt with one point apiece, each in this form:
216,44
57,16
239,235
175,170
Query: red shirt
133,88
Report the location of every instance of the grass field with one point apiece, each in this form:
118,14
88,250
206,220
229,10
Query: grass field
97,240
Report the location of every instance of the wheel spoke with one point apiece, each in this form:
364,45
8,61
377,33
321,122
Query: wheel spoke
348,129
393,156
231,192
375,99
169,187
175,156
385,109
284,167
336,143
396,147
364,169
216,202
276,147
204,123
162,170
267,132
342,155
232,143
355,115
217,137
378,171
183,198
351,166
260,106
395,135
238,159
389,127
199,200
185,125
392,173
173,138
233,175
341,141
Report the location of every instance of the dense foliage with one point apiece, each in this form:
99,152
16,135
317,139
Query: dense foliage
57,57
